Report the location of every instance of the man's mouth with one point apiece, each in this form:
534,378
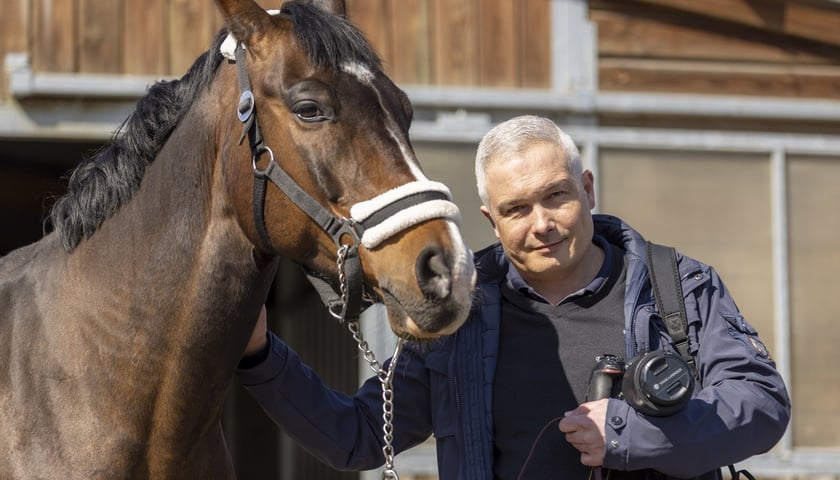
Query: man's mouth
550,246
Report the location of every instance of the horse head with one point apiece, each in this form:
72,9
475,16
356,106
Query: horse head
330,175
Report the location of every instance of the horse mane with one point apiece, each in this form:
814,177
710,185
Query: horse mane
106,181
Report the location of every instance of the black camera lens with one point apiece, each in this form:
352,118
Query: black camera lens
657,383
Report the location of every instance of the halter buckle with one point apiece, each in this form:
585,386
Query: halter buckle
246,106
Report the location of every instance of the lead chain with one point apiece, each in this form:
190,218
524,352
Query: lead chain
341,255
386,381
385,377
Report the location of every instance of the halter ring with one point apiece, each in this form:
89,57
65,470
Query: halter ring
259,150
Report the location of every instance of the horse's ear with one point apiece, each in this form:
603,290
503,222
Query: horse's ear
335,6
243,18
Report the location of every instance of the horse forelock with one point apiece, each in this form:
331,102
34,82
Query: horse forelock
107,180
330,41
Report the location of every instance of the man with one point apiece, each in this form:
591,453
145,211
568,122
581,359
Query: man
561,287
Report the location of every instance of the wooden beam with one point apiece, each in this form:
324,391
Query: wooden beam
100,24
497,43
455,42
535,44
719,78
189,32
636,36
144,37
55,43
14,33
411,42
373,18
808,20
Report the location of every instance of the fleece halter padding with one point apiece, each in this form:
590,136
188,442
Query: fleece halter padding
383,216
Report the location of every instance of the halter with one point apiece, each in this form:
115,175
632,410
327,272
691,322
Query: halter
371,222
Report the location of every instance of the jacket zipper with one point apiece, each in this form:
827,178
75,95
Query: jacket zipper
457,393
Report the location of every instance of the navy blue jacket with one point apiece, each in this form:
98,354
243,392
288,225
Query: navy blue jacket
445,388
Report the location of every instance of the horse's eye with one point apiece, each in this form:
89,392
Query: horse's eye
309,111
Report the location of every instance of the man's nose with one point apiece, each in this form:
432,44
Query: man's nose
543,219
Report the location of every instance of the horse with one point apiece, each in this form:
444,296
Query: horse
122,327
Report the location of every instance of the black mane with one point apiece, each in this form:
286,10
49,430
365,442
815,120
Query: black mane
103,183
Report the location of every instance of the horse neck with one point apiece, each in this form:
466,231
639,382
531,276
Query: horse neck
176,241
178,276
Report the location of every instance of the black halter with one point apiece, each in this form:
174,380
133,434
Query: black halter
347,233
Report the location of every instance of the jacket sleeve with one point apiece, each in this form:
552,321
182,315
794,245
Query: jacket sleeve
342,431
740,409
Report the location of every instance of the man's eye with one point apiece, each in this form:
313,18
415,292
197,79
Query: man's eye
514,210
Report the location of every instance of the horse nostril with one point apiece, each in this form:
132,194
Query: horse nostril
433,274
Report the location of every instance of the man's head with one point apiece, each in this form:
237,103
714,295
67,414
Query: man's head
538,199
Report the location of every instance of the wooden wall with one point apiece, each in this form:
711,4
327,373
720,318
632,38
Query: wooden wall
145,37
742,47
787,48
485,43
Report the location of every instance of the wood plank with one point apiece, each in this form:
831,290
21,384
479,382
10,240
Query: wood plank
625,35
373,17
54,38
217,21
535,44
455,44
190,24
412,41
14,33
498,43
15,26
145,50
809,20
719,78
100,23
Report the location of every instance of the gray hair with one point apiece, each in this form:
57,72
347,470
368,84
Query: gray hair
514,137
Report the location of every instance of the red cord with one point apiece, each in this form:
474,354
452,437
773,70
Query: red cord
534,446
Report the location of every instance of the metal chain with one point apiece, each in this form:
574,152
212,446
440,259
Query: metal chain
342,284
388,414
386,381
385,376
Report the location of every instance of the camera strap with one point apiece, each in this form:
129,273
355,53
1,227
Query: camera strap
662,263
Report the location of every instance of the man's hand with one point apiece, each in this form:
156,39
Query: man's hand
584,429
257,342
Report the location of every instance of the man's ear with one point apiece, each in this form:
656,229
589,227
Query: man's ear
588,180
486,213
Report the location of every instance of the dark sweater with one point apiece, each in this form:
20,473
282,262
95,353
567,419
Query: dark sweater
546,354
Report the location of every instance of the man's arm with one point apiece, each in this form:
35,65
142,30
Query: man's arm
343,431
741,409
257,348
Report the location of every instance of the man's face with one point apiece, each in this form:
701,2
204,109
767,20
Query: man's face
539,213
